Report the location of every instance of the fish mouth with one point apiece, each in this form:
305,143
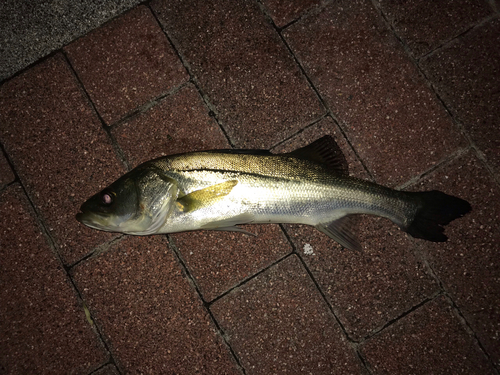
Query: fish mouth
90,220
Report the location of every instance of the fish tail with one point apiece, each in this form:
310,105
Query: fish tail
436,209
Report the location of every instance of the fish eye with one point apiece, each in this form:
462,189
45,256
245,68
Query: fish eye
107,197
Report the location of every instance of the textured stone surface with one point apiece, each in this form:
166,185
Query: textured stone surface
42,325
466,74
59,150
424,26
370,288
221,260
247,73
30,30
126,63
154,322
278,323
6,175
422,341
389,114
468,263
284,12
179,123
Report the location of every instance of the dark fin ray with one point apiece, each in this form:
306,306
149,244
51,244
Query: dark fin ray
324,151
436,210
341,231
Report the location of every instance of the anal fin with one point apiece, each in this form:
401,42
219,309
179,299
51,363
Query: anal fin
341,231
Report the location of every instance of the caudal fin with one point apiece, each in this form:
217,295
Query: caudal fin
436,209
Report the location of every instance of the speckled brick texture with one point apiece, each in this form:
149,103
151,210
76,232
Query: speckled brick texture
177,124
151,318
425,339
6,175
279,323
381,101
408,91
126,63
283,12
368,289
425,26
243,67
219,261
468,263
58,148
466,74
42,325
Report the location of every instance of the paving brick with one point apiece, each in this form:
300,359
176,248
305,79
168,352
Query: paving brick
370,288
107,370
58,149
422,341
6,175
424,26
284,12
278,323
126,63
468,263
42,326
146,310
179,123
220,260
260,95
466,75
392,118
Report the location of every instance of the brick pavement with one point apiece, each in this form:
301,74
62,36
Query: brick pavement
409,91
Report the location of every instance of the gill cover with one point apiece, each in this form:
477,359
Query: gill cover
137,203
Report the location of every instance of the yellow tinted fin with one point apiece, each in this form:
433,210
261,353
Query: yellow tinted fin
204,197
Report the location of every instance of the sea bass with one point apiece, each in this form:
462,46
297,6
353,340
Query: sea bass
219,189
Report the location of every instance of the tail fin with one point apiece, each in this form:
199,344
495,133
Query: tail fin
436,209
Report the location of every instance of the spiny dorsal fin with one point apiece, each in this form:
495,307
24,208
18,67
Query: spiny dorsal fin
324,151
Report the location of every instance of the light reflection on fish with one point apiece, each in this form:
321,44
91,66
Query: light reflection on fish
217,190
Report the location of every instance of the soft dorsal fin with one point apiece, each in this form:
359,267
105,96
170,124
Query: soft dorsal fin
324,151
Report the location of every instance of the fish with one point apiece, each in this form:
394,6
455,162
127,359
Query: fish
221,189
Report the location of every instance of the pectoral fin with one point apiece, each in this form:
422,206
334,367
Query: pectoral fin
205,197
340,231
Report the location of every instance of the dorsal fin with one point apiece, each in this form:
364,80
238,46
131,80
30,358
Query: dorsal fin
324,151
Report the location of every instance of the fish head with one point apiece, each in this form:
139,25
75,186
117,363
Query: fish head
137,203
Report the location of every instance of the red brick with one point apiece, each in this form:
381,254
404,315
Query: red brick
42,325
126,63
59,150
145,308
258,92
466,75
423,341
467,264
6,175
424,26
283,12
389,114
179,123
278,323
220,260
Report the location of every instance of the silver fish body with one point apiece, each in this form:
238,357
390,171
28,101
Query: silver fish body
217,190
